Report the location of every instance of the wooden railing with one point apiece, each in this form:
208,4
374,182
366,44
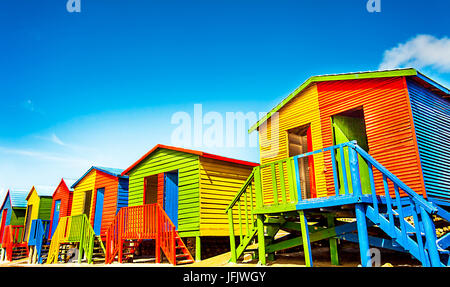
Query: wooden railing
398,200
13,236
241,210
73,229
147,221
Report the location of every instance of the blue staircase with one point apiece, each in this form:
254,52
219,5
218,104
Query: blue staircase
39,233
390,205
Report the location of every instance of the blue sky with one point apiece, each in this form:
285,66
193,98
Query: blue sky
99,87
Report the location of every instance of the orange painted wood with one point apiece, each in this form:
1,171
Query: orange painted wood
64,194
389,125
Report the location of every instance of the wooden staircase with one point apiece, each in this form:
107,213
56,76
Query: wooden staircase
13,243
395,209
75,231
149,221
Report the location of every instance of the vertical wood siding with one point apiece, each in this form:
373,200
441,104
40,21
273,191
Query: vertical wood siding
62,193
388,125
164,160
110,183
122,195
431,115
87,183
301,110
219,183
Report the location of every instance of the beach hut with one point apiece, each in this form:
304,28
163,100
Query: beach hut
62,203
190,189
39,204
97,197
12,213
372,142
100,193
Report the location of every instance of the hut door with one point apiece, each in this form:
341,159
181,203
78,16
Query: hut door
3,223
87,203
56,211
27,223
150,189
300,142
348,126
99,210
171,196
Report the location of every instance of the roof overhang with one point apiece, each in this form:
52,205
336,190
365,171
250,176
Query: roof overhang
351,76
196,152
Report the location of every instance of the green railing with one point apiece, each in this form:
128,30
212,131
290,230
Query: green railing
73,229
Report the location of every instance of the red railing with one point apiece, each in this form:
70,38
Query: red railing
147,221
13,237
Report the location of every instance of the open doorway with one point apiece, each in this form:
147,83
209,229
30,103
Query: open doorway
87,203
27,222
300,142
151,189
348,126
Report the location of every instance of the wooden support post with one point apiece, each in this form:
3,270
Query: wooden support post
305,237
80,246
198,249
261,239
334,254
232,238
159,226
430,233
362,234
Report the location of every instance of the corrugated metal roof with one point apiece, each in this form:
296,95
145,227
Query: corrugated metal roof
109,170
18,198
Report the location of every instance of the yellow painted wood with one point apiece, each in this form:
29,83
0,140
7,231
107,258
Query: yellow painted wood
302,110
219,183
34,200
86,184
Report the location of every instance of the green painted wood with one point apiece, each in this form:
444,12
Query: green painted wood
282,182
346,129
232,238
244,243
261,239
198,248
334,254
18,216
306,239
163,160
45,207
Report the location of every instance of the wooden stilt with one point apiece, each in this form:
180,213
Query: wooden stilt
198,249
333,242
362,234
261,239
305,237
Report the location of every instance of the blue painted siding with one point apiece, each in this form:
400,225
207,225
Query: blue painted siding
122,194
431,114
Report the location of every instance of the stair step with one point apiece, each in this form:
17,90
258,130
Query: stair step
185,261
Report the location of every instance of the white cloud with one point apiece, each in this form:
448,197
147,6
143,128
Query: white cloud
54,138
419,52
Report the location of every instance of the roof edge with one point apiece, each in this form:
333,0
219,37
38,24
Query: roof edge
337,77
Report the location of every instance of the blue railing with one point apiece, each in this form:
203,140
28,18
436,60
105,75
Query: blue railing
39,232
